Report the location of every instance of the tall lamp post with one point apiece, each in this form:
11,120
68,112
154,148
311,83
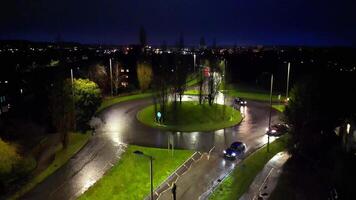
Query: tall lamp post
140,153
270,111
287,81
195,60
72,80
111,77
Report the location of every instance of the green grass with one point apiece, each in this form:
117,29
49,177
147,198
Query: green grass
238,182
130,178
76,142
251,93
279,107
190,116
191,92
114,100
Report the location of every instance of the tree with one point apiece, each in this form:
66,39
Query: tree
62,109
180,75
143,37
314,116
99,75
87,99
202,44
181,42
144,75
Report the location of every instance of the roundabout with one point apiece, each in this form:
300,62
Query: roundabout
190,116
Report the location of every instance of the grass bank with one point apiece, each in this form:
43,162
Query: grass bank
251,93
76,142
279,107
130,178
117,99
190,116
237,183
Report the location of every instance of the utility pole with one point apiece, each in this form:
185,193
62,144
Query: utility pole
72,80
288,81
270,111
195,59
111,78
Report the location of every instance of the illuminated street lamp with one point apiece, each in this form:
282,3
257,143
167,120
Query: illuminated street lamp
195,59
140,153
288,81
111,77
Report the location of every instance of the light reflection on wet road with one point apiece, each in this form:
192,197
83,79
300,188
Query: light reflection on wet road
121,127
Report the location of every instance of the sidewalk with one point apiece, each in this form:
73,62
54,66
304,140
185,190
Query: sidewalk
265,182
201,176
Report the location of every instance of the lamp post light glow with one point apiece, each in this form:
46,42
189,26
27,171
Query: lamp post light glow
288,81
111,77
195,59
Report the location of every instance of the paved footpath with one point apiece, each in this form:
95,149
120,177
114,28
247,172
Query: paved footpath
202,176
265,182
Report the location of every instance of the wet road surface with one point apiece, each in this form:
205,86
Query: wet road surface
121,128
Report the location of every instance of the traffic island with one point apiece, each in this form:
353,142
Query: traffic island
129,178
190,116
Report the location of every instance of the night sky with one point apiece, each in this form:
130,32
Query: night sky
240,22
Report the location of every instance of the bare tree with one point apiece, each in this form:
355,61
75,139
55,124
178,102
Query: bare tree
144,74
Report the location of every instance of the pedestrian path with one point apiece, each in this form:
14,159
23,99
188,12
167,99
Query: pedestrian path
265,182
201,176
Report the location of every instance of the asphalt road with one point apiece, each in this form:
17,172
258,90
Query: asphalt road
121,128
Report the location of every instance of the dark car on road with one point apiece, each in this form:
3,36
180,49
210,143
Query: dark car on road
277,130
236,149
240,101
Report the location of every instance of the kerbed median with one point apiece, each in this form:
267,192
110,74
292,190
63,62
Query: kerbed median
190,116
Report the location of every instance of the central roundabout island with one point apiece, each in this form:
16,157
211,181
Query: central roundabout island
189,116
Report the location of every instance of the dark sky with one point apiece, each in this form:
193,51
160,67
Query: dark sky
241,22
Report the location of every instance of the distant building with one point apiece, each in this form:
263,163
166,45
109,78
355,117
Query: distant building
4,104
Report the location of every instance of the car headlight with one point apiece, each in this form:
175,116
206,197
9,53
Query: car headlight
233,154
224,152
245,102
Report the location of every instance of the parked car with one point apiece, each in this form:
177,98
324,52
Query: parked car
277,129
236,149
240,101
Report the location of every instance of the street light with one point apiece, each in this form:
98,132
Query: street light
140,153
270,111
111,78
72,80
288,81
195,57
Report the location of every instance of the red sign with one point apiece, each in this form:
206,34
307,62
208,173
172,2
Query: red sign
206,71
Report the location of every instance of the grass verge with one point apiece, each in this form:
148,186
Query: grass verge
76,142
114,100
237,183
251,93
130,178
279,107
191,92
190,116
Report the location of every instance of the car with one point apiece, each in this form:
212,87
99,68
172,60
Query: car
235,150
277,129
240,101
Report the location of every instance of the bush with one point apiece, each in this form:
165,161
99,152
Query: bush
12,165
8,159
87,95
